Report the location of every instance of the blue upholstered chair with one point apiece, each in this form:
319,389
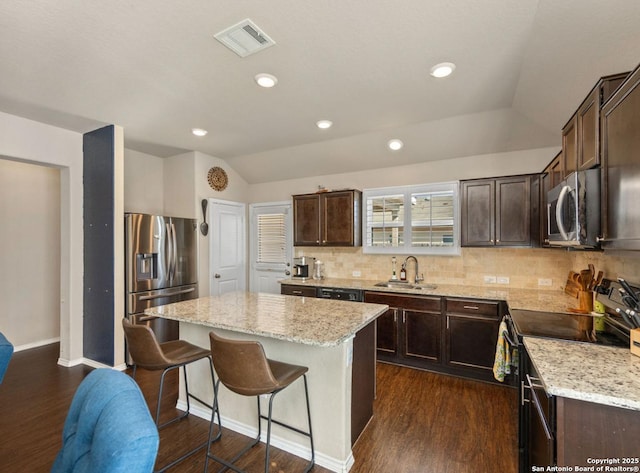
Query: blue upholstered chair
6,350
108,428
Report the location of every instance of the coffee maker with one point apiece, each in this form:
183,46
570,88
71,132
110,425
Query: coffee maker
301,267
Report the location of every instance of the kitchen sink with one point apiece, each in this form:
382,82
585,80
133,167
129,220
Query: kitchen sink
405,285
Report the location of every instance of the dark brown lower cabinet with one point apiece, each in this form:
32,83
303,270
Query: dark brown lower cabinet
387,332
421,335
586,430
449,335
471,335
363,379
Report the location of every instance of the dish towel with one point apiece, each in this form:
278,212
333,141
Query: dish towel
502,361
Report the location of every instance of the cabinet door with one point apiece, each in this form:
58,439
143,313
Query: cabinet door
422,334
621,167
588,123
471,341
387,332
338,219
306,220
513,207
478,212
556,170
570,146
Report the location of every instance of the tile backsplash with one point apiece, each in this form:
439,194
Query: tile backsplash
523,266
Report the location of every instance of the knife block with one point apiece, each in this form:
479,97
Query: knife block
634,335
585,301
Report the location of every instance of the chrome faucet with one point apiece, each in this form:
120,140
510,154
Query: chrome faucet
418,277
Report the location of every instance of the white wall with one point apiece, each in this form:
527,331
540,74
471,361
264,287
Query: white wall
143,183
29,141
470,167
184,185
29,253
237,191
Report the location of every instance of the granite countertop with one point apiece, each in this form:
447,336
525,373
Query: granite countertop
528,299
594,373
304,320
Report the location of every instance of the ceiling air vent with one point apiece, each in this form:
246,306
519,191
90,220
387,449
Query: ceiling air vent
244,38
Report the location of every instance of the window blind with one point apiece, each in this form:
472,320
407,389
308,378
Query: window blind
271,238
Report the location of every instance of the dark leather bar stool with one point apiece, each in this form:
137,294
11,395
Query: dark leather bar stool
243,368
147,353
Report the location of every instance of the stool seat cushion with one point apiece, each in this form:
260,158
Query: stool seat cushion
285,373
108,428
181,352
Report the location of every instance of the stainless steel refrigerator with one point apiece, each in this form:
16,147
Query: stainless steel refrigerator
161,267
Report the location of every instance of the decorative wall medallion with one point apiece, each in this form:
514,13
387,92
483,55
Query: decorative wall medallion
218,178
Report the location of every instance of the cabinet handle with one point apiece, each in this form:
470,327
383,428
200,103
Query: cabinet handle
491,241
395,316
497,241
471,307
296,292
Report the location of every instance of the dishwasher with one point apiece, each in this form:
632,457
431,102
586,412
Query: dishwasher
353,295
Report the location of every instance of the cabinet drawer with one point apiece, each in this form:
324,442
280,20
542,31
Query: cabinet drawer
474,307
426,303
293,290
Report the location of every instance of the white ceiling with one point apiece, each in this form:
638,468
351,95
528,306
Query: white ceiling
154,68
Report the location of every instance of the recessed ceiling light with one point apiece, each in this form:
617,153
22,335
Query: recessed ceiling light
266,80
443,69
199,131
395,144
324,124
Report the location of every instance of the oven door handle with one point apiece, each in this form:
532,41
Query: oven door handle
536,402
506,336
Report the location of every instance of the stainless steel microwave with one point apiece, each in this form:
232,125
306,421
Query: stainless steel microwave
573,211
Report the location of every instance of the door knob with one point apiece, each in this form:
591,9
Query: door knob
287,273
217,276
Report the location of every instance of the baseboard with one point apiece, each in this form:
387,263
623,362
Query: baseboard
39,343
91,363
325,461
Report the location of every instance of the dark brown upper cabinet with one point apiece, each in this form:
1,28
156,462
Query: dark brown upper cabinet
327,219
570,146
621,167
581,134
501,211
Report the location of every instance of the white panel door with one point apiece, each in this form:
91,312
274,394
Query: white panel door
271,245
227,250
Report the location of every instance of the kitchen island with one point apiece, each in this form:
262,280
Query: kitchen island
335,339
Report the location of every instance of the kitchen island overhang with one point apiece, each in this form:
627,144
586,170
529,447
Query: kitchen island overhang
335,339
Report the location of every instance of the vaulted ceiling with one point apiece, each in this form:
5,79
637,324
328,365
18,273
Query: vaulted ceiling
154,68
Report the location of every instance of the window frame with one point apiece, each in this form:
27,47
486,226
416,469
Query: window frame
407,191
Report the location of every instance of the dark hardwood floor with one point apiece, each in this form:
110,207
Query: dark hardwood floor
423,422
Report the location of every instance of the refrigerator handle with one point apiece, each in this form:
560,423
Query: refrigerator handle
167,294
175,249
169,251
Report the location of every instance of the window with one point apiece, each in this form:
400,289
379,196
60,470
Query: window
417,219
272,238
